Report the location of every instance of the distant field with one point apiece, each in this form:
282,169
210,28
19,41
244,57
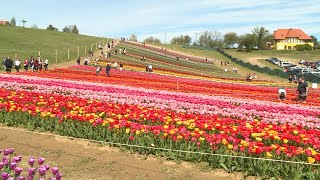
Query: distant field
219,58
290,56
18,42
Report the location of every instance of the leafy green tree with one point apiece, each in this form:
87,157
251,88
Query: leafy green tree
261,37
315,42
247,41
23,22
74,29
66,29
13,21
230,39
152,40
181,40
133,37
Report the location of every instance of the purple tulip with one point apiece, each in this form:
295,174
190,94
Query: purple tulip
17,170
13,165
41,160
21,178
16,159
20,158
47,167
31,171
58,176
54,170
0,151
8,151
31,161
1,165
5,176
42,170
5,160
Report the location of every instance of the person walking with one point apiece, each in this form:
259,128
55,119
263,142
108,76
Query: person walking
302,90
108,68
290,79
121,66
17,64
78,60
98,69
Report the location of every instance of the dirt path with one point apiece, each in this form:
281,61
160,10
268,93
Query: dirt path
81,159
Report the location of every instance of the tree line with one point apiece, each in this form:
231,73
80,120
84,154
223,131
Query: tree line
68,29
259,39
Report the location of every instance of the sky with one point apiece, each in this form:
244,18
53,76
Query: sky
165,19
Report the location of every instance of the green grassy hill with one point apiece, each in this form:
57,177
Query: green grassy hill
18,42
210,54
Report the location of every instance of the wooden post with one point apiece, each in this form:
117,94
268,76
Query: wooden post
68,54
56,56
78,51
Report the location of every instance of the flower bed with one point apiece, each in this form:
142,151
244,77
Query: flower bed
147,110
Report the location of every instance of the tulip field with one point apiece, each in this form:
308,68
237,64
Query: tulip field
243,125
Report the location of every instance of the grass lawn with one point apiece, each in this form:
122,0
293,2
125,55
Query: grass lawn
18,42
292,56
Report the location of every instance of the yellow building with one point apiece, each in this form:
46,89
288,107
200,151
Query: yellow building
288,39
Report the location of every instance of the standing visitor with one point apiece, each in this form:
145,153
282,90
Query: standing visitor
40,64
17,65
32,64
35,64
98,69
8,64
25,64
115,65
108,68
78,60
302,90
290,79
46,63
121,66
236,70
86,61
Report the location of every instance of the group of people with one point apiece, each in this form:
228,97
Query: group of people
302,91
108,68
250,77
34,64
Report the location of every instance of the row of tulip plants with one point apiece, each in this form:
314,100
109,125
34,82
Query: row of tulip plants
11,168
197,122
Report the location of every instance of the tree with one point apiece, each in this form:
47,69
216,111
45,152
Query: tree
74,29
52,28
152,40
247,41
133,37
66,29
261,37
23,22
13,21
181,40
230,39
216,40
315,42
205,38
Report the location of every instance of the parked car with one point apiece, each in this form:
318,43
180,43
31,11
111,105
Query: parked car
283,64
275,61
302,61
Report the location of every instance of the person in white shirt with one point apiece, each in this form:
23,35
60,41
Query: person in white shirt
282,93
115,65
17,64
46,63
150,68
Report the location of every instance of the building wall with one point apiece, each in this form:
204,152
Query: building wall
290,43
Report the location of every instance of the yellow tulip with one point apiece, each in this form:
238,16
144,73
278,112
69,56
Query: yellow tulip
311,160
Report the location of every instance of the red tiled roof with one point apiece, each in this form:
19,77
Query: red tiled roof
290,33
4,22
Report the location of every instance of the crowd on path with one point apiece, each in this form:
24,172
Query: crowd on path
35,64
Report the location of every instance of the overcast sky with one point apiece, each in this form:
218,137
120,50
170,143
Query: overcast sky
171,17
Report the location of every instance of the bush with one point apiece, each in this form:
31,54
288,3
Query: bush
304,47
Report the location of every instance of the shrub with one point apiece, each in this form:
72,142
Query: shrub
304,47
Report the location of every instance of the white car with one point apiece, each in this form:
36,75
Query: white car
301,61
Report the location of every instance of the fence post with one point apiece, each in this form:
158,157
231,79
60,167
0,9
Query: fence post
68,54
56,56
78,51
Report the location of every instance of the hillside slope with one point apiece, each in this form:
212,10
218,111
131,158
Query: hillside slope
18,42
